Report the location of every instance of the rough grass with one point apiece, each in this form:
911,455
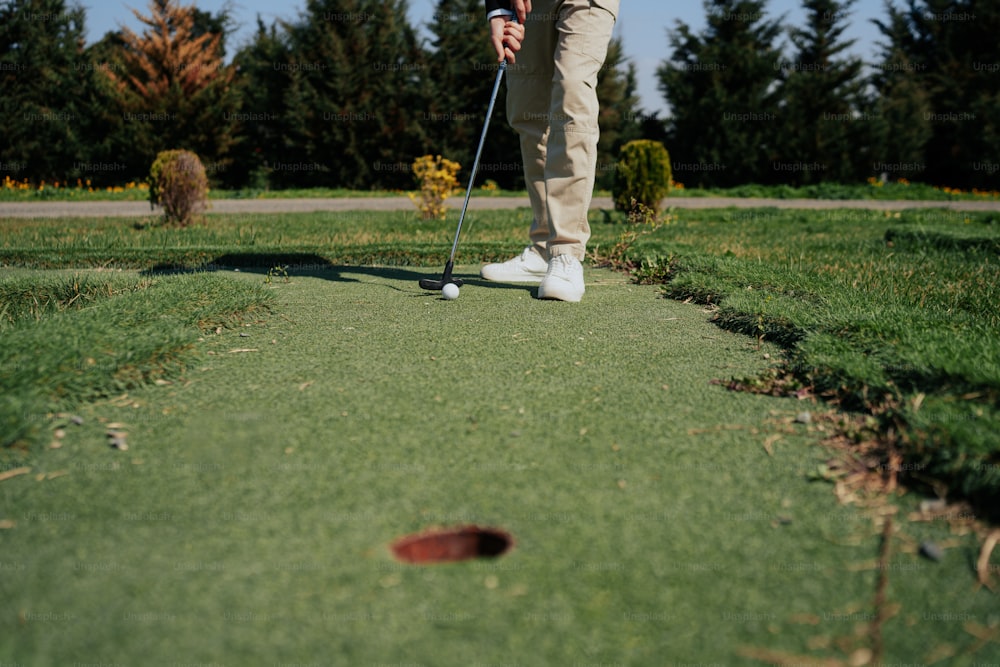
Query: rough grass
69,339
891,314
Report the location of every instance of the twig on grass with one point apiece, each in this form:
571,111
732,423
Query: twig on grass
780,659
983,564
875,629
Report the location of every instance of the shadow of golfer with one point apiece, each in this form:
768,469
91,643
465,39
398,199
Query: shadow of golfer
280,265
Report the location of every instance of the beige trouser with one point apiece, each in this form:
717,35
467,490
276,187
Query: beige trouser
552,104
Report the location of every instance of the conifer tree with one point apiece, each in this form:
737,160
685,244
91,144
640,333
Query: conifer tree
939,73
355,94
43,82
902,106
826,131
173,89
720,86
262,92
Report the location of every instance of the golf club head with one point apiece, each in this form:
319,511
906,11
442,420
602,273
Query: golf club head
438,285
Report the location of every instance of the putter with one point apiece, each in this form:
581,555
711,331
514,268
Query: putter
429,283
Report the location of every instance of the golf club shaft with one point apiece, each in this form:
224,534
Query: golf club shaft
479,151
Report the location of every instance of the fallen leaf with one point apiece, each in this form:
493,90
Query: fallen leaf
244,349
983,564
7,524
14,473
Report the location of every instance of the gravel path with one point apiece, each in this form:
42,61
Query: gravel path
138,209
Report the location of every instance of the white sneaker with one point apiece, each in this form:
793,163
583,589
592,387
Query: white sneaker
564,280
528,267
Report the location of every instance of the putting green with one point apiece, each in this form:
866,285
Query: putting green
249,521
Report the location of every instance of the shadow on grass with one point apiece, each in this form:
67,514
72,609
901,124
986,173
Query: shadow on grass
311,265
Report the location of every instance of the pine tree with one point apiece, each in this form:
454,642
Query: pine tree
354,96
939,79
263,89
173,89
720,86
902,106
827,133
43,82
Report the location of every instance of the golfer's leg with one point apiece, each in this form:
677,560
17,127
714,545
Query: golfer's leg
584,30
529,85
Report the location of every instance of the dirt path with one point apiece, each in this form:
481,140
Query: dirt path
129,209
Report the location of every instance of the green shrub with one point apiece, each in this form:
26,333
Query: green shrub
642,174
178,183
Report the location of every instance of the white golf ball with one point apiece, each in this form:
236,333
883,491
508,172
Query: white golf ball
450,291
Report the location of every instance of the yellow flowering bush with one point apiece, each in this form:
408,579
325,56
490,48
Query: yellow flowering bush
436,177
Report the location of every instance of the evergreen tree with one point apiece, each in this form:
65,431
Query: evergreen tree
263,88
827,132
354,97
939,72
43,82
173,90
902,106
111,141
720,86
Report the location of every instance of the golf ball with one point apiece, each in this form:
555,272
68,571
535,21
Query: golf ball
450,291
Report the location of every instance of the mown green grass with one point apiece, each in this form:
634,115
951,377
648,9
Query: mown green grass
893,314
70,339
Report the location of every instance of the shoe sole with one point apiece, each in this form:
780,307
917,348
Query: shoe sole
519,278
571,296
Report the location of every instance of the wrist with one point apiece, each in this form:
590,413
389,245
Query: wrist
505,14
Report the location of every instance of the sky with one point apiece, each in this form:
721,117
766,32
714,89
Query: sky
642,25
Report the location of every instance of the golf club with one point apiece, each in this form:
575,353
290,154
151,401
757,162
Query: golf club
429,283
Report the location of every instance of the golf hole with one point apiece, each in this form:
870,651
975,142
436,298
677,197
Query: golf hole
449,545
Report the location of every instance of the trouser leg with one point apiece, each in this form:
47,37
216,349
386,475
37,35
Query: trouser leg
552,103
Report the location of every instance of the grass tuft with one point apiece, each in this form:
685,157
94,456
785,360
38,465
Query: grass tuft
895,317
77,338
